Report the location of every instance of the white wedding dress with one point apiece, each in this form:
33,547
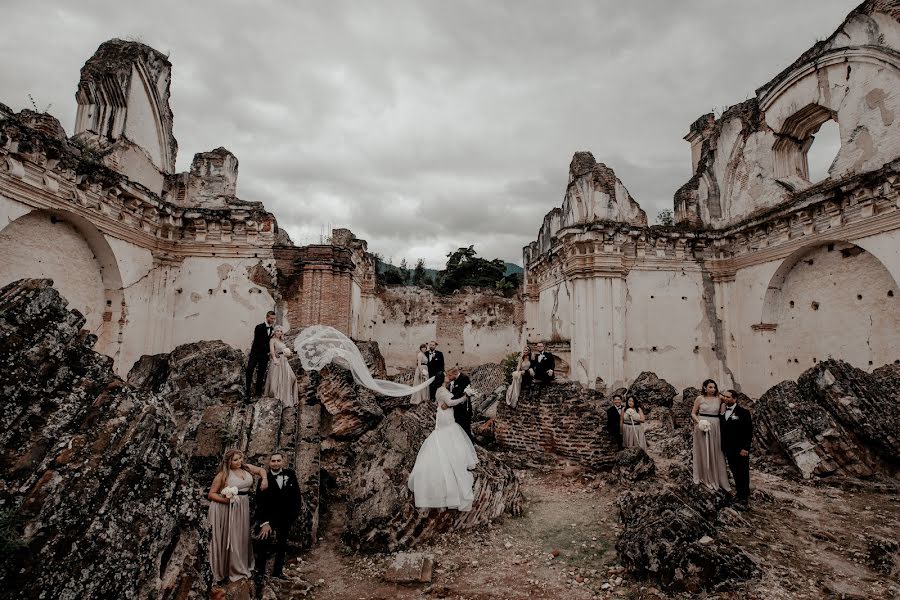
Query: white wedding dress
441,478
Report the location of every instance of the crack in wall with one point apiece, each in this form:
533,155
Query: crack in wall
709,310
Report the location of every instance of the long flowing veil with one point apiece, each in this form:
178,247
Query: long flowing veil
320,345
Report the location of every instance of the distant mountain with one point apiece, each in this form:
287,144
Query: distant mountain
513,268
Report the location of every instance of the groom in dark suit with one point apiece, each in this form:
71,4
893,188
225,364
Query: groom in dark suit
462,405
435,367
277,507
259,354
614,420
737,438
542,364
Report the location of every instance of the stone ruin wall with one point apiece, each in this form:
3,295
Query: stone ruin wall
765,273
472,327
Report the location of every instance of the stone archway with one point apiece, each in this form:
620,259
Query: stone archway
831,300
71,251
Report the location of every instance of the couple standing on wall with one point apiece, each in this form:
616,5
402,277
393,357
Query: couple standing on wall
269,361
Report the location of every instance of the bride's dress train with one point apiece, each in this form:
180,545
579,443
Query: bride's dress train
441,477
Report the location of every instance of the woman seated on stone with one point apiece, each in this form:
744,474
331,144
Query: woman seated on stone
230,545
512,392
420,375
709,460
281,382
632,425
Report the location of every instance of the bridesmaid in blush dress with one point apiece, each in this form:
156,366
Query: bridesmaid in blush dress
420,375
281,382
709,460
230,544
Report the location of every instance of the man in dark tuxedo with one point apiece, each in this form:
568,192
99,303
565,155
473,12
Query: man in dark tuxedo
614,420
461,403
435,367
737,438
259,354
542,364
277,507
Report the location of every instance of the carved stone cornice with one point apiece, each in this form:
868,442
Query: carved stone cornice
128,212
861,206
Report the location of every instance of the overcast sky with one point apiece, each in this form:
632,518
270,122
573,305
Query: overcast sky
424,125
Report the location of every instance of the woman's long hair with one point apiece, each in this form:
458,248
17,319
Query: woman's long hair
707,382
225,465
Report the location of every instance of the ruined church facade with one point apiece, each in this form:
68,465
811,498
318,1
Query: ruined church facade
764,272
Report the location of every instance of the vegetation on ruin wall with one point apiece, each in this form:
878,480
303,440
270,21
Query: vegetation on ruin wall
464,269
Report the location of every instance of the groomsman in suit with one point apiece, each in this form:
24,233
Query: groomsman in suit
259,354
737,438
435,367
542,365
614,420
277,507
462,405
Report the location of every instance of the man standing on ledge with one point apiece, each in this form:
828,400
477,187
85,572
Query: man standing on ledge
435,367
259,354
613,420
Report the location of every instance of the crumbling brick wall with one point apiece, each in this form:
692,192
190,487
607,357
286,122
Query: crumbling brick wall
560,418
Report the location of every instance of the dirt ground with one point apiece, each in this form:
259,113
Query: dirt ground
810,542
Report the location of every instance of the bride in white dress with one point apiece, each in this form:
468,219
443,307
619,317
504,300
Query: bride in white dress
441,478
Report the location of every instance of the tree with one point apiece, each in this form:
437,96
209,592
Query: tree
404,271
418,274
465,268
665,217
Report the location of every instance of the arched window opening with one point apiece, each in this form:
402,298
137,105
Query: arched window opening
826,143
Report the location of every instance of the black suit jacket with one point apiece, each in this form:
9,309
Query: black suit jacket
260,340
278,506
613,421
737,432
463,409
541,367
436,364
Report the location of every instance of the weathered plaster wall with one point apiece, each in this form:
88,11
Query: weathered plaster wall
36,246
668,329
828,300
471,327
754,157
215,299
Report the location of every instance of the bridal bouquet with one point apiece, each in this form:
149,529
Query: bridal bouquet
703,425
230,492
632,413
471,392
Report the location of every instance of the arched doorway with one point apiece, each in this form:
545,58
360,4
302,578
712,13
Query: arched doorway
68,249
831,300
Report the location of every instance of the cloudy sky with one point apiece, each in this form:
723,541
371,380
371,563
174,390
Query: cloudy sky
425,125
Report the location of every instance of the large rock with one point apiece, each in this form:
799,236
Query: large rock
670,535
634,464
835,419
682,406
381,513
89,465
651,391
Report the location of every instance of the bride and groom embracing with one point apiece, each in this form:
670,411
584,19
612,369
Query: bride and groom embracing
440,477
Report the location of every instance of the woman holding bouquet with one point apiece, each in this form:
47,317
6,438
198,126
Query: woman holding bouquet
281,382
709,460
230,544
632,425
512,392
420,375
